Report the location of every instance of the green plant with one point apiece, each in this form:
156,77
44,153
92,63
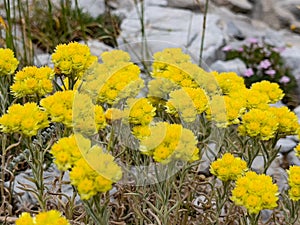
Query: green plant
264,62
67,24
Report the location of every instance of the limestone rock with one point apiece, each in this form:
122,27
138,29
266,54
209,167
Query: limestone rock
187,4
286,144
235,65
172,27
240,6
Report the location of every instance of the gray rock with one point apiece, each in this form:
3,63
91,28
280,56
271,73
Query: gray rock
92,7
233,31
187,4
171,27
277,13
43,60
98,47
286,144
293,159
240,6
235,65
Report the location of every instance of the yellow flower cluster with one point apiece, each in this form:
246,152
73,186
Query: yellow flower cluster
97,176
139,113
72,60
160,88
123,79
52,217
87,117
59,106
187,102
226,110
272,90
66,152
294,182
115,79
255,192
259,123
169,142
31,81
27,119
170,64
228,167
229,82
287,120
8,62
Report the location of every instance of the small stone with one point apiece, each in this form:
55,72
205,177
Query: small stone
240,6
92,7
286,145
186,4
293,159
234,65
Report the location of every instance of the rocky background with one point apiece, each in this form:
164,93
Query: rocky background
178,23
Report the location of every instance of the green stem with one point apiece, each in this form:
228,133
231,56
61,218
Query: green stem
203,32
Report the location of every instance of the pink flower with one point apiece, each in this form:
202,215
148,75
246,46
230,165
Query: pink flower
284,80
264,64
240,49
270,72
248,72
252,40
226,48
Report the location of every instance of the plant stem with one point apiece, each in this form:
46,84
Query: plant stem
203,32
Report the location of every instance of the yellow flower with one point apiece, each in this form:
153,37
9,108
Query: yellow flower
139,111
8,62
43,218
259,123
117,79
229,82
272,90
59,106
25,219
255,192
66,152
72,59
228,167
294,182
95,173
297,150
27,119
187,102
287,120
31,81
169,142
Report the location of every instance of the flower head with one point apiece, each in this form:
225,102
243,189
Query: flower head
72,59
284,80
265,64
248,72
228,167
259,123
31,81
8,62
59,106
169,142
294,182
27,119
43,218
255,192
271,89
